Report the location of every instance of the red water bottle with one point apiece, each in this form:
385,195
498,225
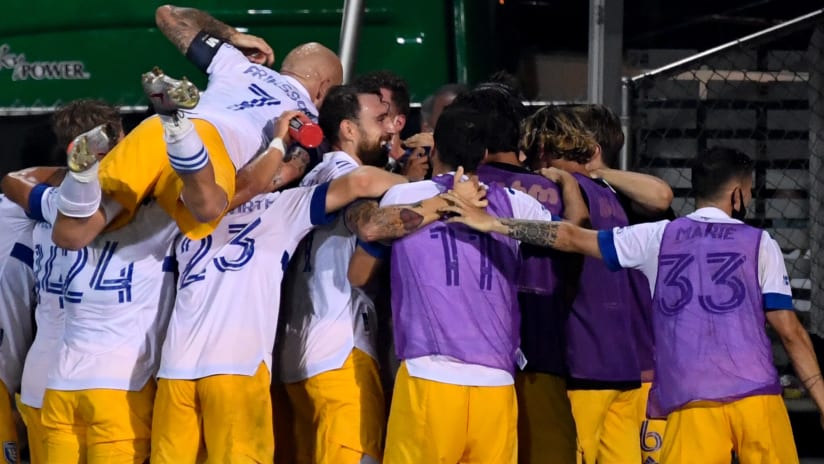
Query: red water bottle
305,132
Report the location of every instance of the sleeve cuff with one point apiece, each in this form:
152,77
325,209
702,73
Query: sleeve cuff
23,253
36,202
606,244
375,249
317,206
777,301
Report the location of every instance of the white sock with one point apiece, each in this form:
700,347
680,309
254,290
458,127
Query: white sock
80,193
183,145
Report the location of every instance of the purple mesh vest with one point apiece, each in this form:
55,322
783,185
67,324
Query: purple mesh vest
454,292
600,344
709,317
540,295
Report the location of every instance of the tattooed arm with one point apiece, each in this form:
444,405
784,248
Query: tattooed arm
555,234
372,223
181,26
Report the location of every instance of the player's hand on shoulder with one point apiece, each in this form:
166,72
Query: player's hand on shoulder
559,176
468,190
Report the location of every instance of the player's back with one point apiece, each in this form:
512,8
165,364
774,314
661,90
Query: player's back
226,309
325,315
118,296
541,295
16,291
599,328
242,99
453,289
709,316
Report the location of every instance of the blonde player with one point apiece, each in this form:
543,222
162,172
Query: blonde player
16,287
328,358
187,160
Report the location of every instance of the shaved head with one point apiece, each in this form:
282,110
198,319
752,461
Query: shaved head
314,66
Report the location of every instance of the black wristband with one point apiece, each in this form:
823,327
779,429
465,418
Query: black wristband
203,49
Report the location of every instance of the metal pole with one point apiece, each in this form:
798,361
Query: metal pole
606,54
349,34
624,161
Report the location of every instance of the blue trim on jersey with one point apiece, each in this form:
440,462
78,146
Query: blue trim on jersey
23,253
375,249
606,242
284,261
556,218
169,264
317,206
36,202
777,301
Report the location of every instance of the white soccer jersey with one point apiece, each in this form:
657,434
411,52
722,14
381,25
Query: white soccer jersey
637,247
51,265
446,369
242,99
16,291
325,316
117,294
228,296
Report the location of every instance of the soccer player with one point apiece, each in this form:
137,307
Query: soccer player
187,157
546,430
16,288
456,318
328,353
68,122
602,357
606,128
715,281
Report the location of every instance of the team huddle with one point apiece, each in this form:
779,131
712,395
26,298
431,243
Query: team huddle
199,297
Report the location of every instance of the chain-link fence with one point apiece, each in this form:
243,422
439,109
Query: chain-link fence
763,94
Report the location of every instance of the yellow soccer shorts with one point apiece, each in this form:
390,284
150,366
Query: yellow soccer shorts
8,427
138,167
652,430
757,428
230,414
546,429
339,415
606,422
433,422
34,431
97,425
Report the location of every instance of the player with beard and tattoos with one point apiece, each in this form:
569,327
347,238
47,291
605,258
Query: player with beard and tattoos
327,347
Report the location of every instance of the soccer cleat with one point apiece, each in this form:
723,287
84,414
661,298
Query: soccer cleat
87,148
169,95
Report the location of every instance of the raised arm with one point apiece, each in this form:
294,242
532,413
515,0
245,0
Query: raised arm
372,223
559,235
363,182
181,25
17,186
649,194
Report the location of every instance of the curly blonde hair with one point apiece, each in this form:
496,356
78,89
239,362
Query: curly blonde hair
556,132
